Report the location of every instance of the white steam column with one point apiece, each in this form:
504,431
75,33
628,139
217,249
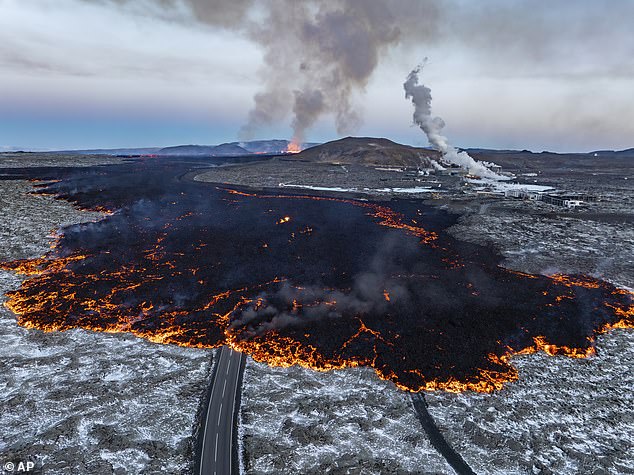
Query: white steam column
432,126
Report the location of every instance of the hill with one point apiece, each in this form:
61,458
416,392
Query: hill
368,151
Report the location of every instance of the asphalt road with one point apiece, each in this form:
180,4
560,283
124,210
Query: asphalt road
436,437
218,431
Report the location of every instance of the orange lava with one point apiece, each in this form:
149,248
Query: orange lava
293,147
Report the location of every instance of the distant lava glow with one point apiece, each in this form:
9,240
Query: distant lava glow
324,283
293,147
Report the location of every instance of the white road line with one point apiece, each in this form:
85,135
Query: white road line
219,414
229,365
216,452
224,387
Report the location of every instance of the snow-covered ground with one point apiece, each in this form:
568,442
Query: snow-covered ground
502,186
81,402
545,243
300,421
318,188
563,416
413,190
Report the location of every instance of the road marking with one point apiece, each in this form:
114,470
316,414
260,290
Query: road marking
229,365
216,452
224,387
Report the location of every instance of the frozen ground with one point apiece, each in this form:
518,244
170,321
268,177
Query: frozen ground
16,160
563,416
502,186
80,402
535,239
413,190
345,422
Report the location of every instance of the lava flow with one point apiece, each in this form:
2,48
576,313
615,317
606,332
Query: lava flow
325,283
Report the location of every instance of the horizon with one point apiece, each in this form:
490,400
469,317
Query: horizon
9,149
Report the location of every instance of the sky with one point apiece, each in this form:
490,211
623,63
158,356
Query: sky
543,75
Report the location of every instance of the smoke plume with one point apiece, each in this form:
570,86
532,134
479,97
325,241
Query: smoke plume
317,55
432,126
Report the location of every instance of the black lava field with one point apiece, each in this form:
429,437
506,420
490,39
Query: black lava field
323,282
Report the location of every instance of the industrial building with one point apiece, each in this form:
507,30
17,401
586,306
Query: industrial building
566,200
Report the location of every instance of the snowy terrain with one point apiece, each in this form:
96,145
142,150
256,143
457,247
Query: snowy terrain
563,416
81,402
414,190
300,421
543,242
502,186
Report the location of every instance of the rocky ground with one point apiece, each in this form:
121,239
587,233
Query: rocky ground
344,422
21,159
563,415
535,238
364,181
81,402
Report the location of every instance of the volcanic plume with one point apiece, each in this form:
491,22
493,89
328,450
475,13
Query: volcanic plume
321,282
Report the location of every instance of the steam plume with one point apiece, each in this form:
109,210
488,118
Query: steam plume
432,126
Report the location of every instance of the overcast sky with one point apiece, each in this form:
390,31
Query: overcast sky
556,75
